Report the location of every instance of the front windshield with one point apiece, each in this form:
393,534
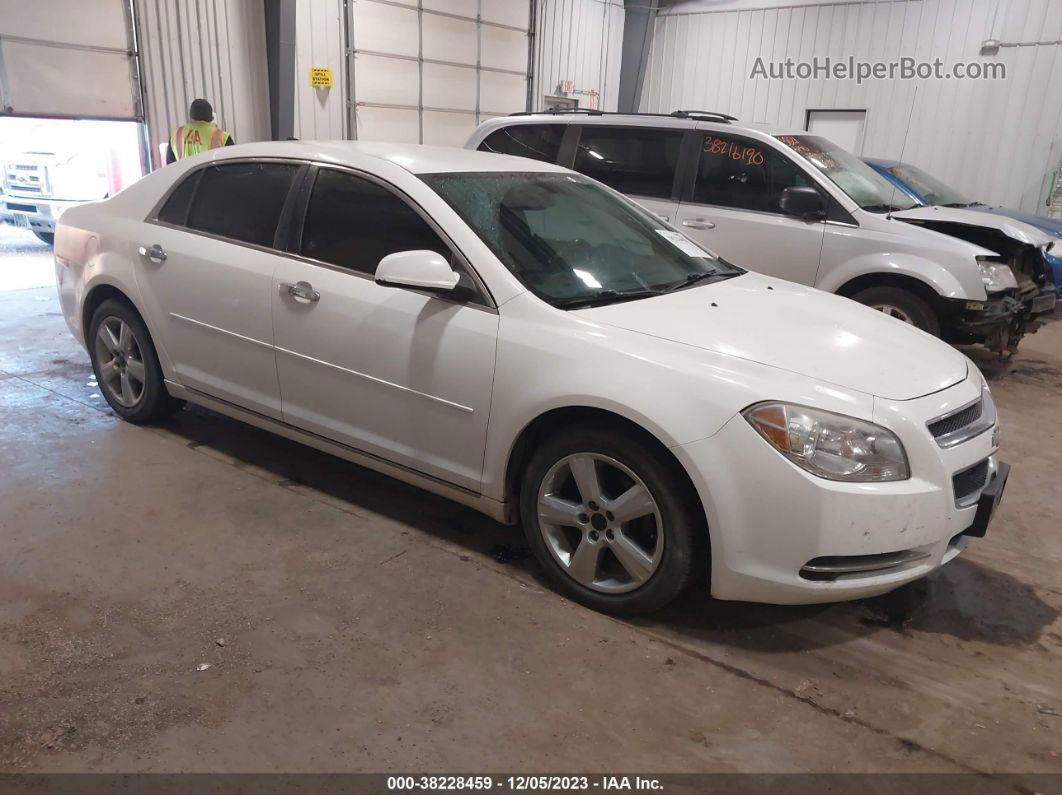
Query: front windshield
931,189
864,185
574,242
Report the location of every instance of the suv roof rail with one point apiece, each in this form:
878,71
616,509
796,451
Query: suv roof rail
677,114
560,112
699,114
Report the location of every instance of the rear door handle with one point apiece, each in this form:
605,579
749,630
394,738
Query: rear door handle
155,253
662,217
301,291
698,223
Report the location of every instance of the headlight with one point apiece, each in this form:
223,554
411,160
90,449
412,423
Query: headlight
829,445
996,276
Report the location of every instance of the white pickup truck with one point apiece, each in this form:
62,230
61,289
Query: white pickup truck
47,167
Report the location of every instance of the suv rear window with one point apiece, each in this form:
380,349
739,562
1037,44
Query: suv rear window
537,141
241,201
639,161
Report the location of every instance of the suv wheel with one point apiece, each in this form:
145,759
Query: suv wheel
901,304
126,366
610,521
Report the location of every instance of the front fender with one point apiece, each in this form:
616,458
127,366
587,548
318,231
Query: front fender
938,278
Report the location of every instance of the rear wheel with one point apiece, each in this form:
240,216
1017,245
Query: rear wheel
609,519
126,366
45,237
901,304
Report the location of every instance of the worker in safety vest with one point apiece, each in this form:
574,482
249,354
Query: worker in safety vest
198,134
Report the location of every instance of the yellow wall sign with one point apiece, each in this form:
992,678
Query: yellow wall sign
320,77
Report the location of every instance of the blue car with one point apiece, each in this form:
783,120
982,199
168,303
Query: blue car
928,190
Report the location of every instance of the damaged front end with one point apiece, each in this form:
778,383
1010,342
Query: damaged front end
1017,279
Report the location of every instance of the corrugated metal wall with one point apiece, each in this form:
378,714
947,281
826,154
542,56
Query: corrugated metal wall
319,112
998,142
578,40
204,48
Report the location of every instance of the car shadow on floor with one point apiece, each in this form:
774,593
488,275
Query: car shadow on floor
965,600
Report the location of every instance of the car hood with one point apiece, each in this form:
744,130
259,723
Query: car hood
1022,232
798,329
1050,226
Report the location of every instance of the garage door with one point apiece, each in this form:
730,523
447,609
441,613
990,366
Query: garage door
430,74
67,58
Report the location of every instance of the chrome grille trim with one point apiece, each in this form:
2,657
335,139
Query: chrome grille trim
831,567
964,423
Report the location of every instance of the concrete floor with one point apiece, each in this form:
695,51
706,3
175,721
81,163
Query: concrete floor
354,624
24,260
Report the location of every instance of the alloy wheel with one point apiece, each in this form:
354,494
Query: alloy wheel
894,311
121,362
600,522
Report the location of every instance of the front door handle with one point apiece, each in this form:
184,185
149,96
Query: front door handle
698,223
301,291
155,253
662,217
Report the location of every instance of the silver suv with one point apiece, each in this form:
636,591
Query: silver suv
799,207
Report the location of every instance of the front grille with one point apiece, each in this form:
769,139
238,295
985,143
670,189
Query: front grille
25,179
969,481
957,421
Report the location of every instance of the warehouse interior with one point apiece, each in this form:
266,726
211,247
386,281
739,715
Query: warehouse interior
199,595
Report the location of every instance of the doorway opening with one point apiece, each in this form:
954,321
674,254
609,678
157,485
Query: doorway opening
48,166
845,127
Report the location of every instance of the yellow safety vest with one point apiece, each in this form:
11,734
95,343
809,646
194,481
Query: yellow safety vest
195,137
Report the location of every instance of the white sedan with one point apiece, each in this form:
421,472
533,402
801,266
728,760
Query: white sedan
525,341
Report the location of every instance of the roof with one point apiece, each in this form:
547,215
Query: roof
636,120
415,158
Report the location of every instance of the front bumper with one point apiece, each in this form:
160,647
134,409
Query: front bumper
769,520
37,214
1055,264
1001,320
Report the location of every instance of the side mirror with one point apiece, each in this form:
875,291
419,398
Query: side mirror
421,270
803,201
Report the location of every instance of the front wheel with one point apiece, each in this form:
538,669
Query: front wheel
126,366
611,521
45,237
905,306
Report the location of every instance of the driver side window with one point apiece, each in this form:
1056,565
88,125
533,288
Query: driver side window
744,174
354,223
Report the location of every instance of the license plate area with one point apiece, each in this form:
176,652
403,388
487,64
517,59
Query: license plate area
22,221
989,501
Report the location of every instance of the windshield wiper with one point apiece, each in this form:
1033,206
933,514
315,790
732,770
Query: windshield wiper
697,278
959,205
881,208
602,297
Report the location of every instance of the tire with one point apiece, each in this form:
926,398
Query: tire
672,535
902,304
45,237
131,378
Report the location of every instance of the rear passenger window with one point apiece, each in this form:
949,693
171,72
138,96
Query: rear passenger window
241,201
537,141
175,210
736,172
354,223
636,160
